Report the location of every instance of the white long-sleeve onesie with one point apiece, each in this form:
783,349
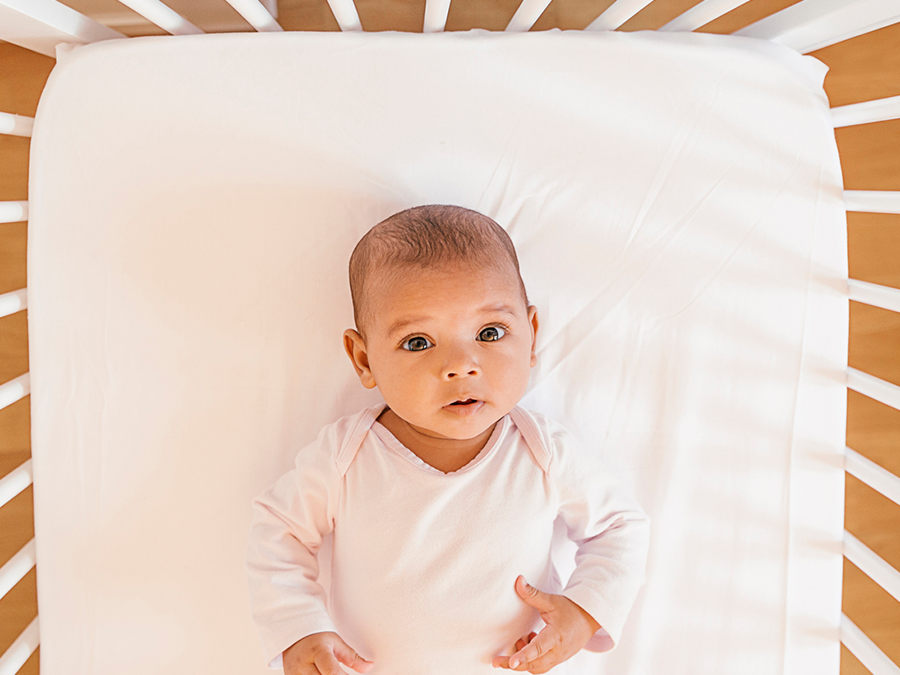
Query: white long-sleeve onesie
424,562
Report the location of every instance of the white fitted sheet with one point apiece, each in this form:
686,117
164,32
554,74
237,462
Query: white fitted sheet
676,204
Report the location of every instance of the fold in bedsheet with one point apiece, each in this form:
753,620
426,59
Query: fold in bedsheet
676,204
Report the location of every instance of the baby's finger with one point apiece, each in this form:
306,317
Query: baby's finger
542,644
541,664
327,664
521,642
351,659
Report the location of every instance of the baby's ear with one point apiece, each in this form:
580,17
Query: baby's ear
533,320
355,347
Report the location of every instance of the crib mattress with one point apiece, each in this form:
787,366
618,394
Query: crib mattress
676,204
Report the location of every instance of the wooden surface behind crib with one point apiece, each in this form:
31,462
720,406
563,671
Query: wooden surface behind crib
863,68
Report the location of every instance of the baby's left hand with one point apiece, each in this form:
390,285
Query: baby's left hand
568,629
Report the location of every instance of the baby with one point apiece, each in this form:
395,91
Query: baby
442,500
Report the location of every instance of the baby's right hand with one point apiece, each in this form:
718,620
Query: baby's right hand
319,654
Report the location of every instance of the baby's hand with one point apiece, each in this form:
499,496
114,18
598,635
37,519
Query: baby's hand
319,654
568,629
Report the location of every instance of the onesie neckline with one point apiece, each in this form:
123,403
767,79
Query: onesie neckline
494,441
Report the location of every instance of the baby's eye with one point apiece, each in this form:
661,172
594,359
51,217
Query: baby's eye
491,334
417,344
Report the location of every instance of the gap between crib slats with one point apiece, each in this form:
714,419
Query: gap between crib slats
864,649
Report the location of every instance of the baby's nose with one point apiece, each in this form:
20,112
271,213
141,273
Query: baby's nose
460,364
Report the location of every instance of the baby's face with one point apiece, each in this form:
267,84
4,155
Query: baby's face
450,349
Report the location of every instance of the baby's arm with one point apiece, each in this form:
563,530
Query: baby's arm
612,535
289,522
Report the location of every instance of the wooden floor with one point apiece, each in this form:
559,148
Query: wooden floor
863,68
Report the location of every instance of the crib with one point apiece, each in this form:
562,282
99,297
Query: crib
805,26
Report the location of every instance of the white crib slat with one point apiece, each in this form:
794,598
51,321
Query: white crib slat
40,25
17,567
14,301
872,201
876,477
163,16
255,13
879,110
345,13
526,15
617,13
12,391
13,212
436,12
15,125
15,481
701,14
876,295
868,653
873,387
19,651
813,24
872,564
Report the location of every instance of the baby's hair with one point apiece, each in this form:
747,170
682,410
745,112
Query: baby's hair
427,236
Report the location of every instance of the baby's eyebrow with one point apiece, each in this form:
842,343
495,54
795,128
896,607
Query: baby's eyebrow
490,309
404,321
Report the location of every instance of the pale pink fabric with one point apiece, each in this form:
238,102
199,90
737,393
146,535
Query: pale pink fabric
424,563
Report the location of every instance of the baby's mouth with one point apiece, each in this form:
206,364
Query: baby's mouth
467,401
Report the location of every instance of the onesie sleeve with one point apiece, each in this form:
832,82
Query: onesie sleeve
289,521
612,537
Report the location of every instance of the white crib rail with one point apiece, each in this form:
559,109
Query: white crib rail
702,13
879,110
15,125
436,12
617,13
40,25
19,651
13,212
875,660
256,14
163,16
526,15
12,572
346,15
813,24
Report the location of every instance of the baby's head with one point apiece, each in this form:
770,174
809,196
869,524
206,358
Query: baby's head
444,329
